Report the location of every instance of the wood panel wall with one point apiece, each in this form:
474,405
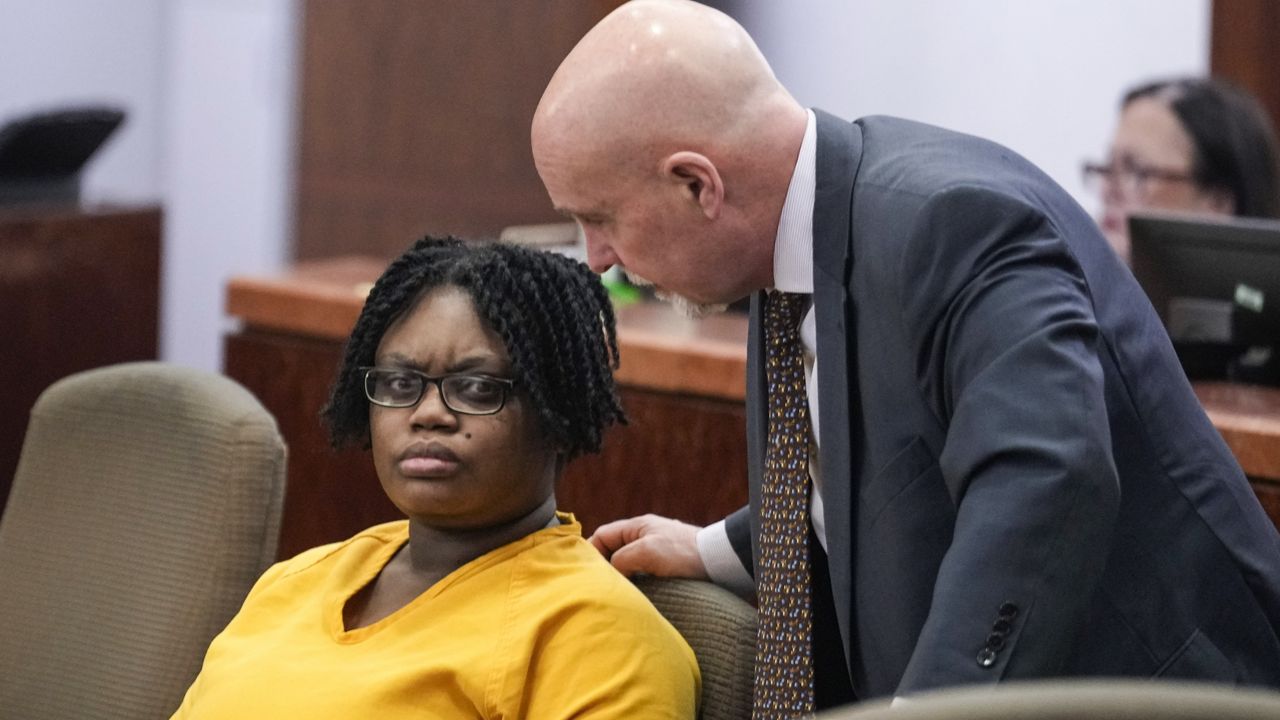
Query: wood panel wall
79,289
1245,48
415,114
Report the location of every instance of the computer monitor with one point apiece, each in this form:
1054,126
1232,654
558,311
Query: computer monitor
1215,282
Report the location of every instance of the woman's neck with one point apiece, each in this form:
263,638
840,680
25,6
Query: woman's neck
435,552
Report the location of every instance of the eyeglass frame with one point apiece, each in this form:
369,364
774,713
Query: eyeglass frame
1140,174
507,384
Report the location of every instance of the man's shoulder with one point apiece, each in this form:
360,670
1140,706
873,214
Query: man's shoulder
907,158
890,127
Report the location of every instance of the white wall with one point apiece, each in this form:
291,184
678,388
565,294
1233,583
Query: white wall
1043,77
230,85
208,86
58,53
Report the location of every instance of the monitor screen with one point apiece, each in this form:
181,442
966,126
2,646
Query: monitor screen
1215,282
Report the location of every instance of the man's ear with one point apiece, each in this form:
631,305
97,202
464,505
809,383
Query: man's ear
699,178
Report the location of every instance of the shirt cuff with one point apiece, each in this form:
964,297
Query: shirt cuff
722,563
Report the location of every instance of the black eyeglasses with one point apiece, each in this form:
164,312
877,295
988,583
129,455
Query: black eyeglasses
1132,178
466,394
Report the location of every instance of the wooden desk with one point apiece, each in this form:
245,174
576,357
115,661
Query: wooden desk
1249,419
79,288
682,383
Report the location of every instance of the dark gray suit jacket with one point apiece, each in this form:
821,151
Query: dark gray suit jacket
1017,479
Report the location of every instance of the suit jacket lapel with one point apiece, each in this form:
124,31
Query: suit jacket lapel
839,151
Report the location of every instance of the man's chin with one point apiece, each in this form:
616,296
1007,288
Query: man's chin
680,303
687,307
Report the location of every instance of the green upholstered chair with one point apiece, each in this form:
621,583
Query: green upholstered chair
145,504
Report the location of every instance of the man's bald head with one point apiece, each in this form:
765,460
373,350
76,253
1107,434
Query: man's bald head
667,137
657,74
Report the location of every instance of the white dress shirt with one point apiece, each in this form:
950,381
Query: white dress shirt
792,272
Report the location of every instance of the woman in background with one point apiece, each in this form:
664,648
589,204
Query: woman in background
474,374
1189,145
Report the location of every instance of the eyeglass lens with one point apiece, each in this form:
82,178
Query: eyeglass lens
1129,176
461,393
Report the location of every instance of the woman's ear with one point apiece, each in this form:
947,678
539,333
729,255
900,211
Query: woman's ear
699,180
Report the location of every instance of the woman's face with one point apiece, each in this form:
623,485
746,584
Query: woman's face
446,469
1152,161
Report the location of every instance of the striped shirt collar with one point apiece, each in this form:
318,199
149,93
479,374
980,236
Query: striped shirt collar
793,246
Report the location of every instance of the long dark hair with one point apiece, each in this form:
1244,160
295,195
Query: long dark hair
1235,141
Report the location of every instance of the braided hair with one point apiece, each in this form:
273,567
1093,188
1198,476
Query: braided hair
553,316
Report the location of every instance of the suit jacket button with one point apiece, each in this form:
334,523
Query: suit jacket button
1008,611
986,657
995,640
1001,626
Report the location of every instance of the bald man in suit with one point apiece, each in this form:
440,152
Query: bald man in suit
1011,476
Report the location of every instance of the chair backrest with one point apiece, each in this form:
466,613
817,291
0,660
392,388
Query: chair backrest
1076,699
146,502
721,629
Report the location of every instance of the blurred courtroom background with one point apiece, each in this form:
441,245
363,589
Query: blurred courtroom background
271,130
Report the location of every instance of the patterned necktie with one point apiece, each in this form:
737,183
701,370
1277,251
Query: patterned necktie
784,658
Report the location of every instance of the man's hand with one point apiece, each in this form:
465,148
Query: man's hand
651,544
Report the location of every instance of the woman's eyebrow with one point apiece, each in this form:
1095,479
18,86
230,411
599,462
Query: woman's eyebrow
397,360
486,362
474,362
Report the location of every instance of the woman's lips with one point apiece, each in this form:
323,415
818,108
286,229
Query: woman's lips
427,467
428,460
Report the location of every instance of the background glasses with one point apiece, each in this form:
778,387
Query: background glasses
1133,179
466,394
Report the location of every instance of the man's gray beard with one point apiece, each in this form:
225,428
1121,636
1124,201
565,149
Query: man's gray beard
679,303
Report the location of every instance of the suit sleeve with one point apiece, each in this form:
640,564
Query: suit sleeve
738,527
1001,322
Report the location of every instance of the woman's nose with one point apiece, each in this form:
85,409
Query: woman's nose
431,412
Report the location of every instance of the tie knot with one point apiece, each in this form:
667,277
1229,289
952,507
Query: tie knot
783,310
